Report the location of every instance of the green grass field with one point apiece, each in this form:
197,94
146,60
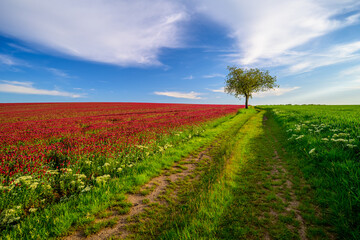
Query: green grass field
270,172
327,141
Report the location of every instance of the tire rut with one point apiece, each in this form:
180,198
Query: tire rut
149,193
292,205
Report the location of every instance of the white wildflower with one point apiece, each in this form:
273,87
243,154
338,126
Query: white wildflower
102,179
23,179
351,145
301,136
88,188
80,176
32,210
34,185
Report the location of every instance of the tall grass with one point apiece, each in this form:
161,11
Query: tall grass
327,139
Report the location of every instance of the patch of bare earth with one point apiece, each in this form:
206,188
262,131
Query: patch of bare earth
149,193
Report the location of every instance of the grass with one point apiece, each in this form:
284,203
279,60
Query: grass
96,227
185,187
326,140
237,197
58,219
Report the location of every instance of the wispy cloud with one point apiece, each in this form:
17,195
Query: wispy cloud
58,72
115,32
333,55
24,84
274,92
352,71
214,75
9,60
267,30
190,95
189,77
21,48
220,90
271,92
13,62
27,88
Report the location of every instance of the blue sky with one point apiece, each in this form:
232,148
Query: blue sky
177,51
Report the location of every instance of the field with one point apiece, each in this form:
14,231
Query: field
328,139
178,171
51,152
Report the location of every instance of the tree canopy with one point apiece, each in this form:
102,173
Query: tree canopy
242,82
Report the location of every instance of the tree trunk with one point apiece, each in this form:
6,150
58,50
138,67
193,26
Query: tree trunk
246,101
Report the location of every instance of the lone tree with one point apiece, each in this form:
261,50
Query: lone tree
244,82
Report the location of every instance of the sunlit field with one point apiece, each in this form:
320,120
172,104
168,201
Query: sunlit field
50,152
328,138
179,171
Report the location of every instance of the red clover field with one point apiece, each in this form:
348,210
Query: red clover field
51,151
179,171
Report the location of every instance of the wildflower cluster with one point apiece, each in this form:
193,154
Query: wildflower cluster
313,133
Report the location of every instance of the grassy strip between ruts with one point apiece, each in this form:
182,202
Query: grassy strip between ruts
57,220
239,196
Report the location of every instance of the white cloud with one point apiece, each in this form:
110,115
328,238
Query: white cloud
268,93
335,54
24,84
267,30
27,88
189,77
190,95
12,62
9,60
115,32
120,32
352,71
274,92
214,75
21,48
58,72
220,90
